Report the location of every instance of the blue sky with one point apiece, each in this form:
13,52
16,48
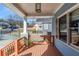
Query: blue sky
5,12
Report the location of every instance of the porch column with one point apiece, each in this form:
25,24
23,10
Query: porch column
25,33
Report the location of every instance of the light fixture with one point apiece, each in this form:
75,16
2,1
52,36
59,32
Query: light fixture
38,7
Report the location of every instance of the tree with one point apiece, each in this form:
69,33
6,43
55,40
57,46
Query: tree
1,20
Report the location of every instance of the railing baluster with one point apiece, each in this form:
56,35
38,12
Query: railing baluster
0,53
13,47
16,47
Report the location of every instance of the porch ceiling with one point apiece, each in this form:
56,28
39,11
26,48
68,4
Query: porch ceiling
47,9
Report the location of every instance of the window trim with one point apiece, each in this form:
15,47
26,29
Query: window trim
66,28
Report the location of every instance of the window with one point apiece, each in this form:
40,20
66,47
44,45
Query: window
63,29
46,26
74,27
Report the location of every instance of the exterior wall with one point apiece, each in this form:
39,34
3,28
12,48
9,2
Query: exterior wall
64,48
64,8
49,28
53,26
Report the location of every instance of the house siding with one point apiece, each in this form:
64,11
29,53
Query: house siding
64,48
64,8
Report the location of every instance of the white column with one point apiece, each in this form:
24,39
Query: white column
24,26
25,33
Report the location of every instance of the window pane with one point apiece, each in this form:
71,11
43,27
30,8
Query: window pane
63,29
74,26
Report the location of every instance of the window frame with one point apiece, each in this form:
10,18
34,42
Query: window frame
67,12
70,31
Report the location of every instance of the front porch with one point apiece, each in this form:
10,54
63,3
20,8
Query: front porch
50,34
36,42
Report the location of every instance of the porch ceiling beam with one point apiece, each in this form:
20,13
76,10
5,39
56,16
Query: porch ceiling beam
58,8
39,16
18,7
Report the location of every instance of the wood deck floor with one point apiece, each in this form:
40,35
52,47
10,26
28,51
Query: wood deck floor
41,50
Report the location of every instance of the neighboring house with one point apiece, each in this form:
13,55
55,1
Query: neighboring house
45,24
40,26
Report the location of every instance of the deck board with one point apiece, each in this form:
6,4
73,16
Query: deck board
41,50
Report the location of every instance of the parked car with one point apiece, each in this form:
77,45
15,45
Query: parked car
13,28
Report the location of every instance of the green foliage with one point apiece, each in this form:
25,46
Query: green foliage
4,27
1,20
29,42
34,31
13,23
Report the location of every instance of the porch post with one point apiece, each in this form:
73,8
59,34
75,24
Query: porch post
24,26
25,33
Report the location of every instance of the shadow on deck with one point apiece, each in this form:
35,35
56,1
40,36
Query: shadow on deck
41,50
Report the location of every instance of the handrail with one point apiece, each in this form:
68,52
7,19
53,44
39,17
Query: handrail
13,48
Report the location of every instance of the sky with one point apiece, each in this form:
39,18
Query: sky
5,13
